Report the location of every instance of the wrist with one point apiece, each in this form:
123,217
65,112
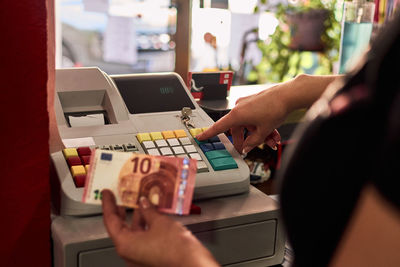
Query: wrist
303,90
282,94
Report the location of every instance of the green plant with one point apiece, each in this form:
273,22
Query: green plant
280,61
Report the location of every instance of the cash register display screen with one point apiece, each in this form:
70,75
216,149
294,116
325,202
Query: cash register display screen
153,94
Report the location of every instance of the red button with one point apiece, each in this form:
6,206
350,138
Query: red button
80,180
85,160
74,160
84,151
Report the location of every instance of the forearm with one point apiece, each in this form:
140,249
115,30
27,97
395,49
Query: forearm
303,91
263,112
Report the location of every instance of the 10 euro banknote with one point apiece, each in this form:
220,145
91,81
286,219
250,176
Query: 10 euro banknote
167,182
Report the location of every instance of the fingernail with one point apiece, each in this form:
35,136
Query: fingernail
246,150
144,203
275,148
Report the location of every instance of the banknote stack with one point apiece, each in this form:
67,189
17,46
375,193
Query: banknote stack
167,182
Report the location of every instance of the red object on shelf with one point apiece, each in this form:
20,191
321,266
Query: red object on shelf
201,84
376,14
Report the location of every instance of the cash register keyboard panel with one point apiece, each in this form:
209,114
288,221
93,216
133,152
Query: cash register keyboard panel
78,159
166,143
178,143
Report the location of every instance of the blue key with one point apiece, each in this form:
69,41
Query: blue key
218,145
214,139
206,147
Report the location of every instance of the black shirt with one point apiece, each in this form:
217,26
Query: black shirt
339,151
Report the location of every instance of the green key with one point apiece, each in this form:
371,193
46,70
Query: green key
223,163
215,154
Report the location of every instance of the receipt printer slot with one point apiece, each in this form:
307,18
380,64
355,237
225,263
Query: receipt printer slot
86,108
96,117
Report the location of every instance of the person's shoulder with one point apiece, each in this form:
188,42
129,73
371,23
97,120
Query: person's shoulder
372,237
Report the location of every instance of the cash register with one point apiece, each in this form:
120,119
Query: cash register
153,114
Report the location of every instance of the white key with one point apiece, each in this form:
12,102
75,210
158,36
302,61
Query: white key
195,156
201,165
161,143
178,150
153,152
185,141
148,144
165,151
182,156
190,149
173,142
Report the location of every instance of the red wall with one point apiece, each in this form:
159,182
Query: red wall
24,160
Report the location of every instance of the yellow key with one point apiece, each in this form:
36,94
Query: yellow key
168,134
156,136
180,133
70,152
87,167
78,170
143,137
205,128
195,131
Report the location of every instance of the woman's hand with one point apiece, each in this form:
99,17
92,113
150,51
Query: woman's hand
260,114
152,239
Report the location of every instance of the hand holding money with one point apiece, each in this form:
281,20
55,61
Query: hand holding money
151,238
167,182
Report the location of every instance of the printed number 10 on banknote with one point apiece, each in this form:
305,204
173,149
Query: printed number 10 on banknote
168,182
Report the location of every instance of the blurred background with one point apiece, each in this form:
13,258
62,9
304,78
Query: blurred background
261,41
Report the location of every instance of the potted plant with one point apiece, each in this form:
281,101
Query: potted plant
306,40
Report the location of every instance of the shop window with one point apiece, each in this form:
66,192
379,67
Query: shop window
118,36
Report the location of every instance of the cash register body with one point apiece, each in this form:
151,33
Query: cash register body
240,230
89,90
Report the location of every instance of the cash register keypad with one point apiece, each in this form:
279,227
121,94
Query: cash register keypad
177,143
167,143
78,162
78,159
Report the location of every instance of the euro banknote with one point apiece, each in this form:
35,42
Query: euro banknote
168,182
